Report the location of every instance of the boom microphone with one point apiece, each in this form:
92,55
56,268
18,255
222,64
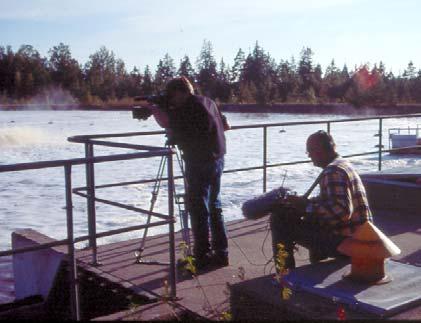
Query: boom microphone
262,205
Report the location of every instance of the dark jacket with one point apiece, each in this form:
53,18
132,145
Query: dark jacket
198,129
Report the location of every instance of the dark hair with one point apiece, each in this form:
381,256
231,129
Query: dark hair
326,140
179,84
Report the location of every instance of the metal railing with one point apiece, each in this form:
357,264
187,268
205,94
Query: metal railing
70,241
98,139
327,123
90,160
91,140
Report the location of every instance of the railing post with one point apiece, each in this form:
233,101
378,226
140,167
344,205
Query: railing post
171,224
90,184
74,283
380,142
328,127
265,156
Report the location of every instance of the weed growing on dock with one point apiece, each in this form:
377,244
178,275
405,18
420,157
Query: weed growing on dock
134,304
281,270
186,263
187,266
166,299
226,316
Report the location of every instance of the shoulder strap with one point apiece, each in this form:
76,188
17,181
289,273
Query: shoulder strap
307,194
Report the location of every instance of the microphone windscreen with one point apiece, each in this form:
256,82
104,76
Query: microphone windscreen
262,205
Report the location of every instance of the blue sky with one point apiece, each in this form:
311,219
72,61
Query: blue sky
141,32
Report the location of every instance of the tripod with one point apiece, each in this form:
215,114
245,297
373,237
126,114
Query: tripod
179,200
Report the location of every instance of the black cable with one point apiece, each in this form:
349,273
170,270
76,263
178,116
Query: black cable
262,249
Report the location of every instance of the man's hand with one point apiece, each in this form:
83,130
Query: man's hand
298,203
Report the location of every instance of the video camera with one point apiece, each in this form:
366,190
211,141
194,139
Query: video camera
160,100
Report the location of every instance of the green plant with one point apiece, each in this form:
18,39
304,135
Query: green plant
281,270
186,263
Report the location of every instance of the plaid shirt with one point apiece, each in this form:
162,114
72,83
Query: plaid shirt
342,204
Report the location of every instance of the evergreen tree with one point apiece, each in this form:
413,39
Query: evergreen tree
8,82
410,72
164,72
186,69
134,83
31,72
317,80
236,71
416,88
222,87
345,73
260,70
238,66
100,73
147,84
206,67
65,70
305,69
334,82
287,82
122,80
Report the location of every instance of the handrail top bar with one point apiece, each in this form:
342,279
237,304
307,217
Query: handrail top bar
124,145
85,138
80,161
296,123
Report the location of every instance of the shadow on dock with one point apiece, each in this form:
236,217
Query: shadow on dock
122,289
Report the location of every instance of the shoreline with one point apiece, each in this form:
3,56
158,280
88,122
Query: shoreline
294,108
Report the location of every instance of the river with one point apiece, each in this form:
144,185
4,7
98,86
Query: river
36,198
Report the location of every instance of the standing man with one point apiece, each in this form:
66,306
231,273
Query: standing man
321,223
196,126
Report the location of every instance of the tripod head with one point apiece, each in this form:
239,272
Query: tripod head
170,141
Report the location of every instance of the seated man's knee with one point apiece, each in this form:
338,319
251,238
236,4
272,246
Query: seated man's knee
276,220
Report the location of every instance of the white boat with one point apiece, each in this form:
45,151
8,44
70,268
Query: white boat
405,140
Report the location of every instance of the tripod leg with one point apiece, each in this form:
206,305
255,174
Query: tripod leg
154,197
184,219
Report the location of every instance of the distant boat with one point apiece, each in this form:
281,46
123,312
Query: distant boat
405,140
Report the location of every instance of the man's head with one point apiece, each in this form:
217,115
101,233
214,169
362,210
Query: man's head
179,90
321,148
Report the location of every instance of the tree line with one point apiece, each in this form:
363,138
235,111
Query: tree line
254,77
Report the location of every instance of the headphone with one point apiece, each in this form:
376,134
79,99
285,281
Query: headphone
326,140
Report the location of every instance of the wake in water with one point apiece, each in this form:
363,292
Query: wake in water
23,136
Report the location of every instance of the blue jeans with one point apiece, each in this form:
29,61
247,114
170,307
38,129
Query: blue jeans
204,205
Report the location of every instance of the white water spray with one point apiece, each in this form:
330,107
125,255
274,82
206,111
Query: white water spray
23,136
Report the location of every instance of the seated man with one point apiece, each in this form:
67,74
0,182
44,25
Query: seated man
321,223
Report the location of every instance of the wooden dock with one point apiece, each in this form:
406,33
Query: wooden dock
205,296
210,294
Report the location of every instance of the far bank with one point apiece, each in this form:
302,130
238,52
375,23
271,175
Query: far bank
295,108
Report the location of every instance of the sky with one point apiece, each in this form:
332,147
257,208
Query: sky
141,32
